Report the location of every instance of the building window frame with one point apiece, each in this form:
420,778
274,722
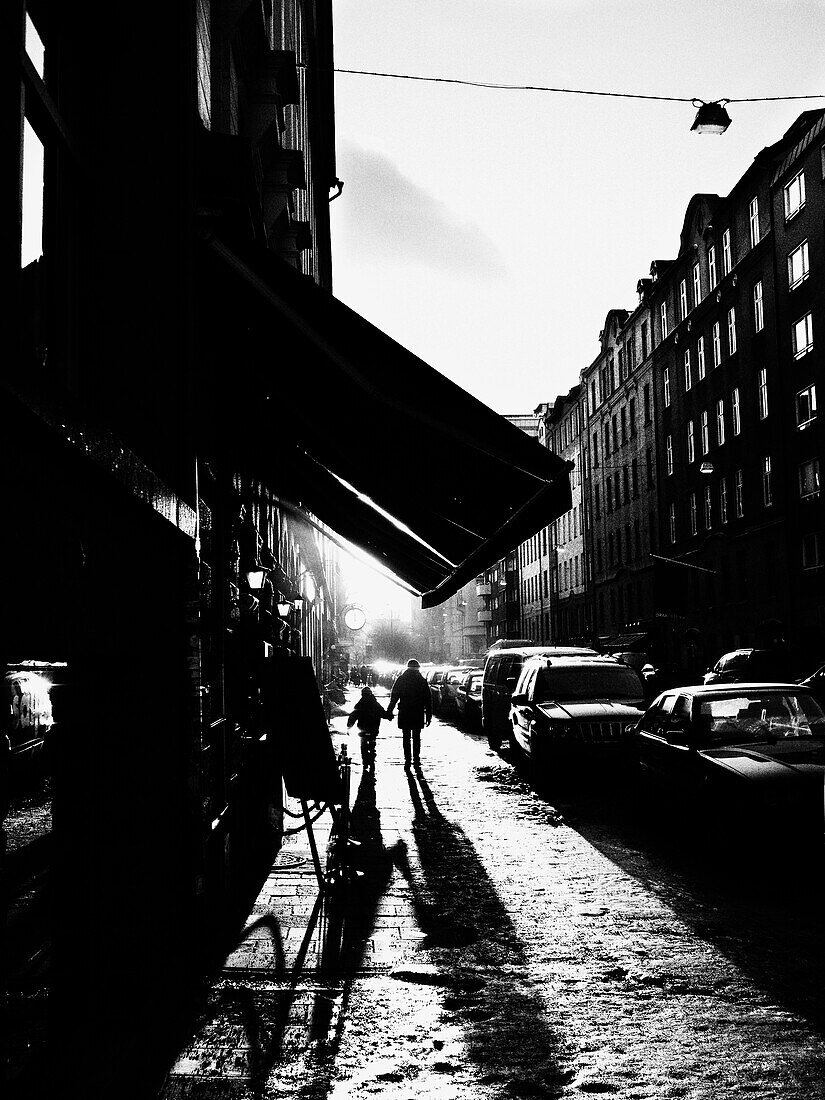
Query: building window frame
723,500
763,393
739,493
683,299
802,335
712,276
666,385
716,340
708,508
767,481
805,405
669,455
732,330
688,371
697,284
704,433
811,550
736,412
720,422
793,194
694,519
690,432
663,319
798,265
809,481
700,358
753,220
727,254
758,307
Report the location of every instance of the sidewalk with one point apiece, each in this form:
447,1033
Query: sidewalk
274,1016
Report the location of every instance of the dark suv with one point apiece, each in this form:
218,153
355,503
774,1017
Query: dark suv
568,710
751,666
502,669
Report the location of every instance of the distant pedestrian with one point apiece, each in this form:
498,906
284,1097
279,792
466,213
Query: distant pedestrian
363,672
367,714
411,693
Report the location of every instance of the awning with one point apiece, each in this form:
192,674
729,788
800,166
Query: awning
360,432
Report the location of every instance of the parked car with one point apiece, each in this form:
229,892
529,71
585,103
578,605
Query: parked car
468,698
435,678
568,710
750,754
816,684
501,672
449,689
750,666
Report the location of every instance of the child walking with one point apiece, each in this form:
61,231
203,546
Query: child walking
367,713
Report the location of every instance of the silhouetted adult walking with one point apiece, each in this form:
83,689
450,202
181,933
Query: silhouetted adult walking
411,693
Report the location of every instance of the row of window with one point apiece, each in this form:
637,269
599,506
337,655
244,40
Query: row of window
794,201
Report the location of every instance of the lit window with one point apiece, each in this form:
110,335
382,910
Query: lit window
739,493
720,420
753,217
727,257
758,308
811,551
723,500
694,526
672,522
683,299
691,442
767,489
669,454
798,267
809,479
805,406
794,193
708,509
666,381
717,345
712,266
736,419
697,284
803,338
731,331
663,318
704,433
700,357
763,393
688,373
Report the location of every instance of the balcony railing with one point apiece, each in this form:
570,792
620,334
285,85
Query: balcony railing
485,616
483,589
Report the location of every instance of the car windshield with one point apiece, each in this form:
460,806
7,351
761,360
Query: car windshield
586,682
758,717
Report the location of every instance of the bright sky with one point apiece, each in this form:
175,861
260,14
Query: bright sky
491,231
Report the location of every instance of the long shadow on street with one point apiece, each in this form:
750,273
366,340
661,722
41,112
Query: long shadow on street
763,908
473,940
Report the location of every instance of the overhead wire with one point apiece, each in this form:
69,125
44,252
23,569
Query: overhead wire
495,85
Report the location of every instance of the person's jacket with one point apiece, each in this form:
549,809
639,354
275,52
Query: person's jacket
411,694
367,713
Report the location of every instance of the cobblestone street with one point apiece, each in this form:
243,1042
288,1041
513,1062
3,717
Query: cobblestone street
493,945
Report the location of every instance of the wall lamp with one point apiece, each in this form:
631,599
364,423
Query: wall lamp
711,118
255,577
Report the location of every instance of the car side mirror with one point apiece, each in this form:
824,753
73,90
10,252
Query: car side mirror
519,700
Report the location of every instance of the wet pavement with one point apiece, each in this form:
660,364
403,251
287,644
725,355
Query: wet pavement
496,938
